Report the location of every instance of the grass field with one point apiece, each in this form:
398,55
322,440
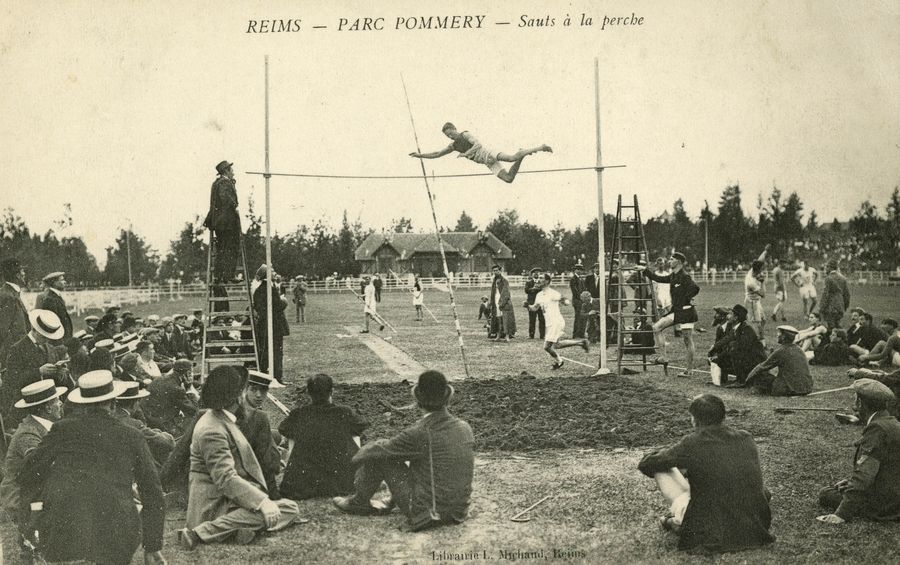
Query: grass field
561,432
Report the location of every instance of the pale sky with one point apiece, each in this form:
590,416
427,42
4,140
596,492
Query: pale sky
124,108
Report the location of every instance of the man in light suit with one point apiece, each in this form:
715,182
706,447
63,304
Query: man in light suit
41,401
14,322
53,300
225,222
227,492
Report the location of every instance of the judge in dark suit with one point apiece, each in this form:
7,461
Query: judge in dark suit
31,359
129,413
740,349
722,505
14,322
503,314
577,286
83,472
41,401
225,222
227,495
279,324
53,300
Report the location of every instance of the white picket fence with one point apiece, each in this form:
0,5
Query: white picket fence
79,301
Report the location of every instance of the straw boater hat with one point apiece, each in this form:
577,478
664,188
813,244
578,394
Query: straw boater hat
261,379
91,318
39,393
96,386
46,323
50,277
791,330
106,344
133,391
80,334
119,350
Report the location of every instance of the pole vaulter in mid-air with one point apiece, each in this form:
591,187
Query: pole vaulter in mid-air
467,146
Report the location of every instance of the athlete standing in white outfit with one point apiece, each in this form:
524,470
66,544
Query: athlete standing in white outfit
548,300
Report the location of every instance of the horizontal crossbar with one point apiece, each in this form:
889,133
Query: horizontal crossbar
419,177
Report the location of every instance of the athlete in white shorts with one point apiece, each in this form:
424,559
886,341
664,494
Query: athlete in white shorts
805,278
548,300
467,146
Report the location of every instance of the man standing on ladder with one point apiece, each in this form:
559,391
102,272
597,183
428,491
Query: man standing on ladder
224,222
683,314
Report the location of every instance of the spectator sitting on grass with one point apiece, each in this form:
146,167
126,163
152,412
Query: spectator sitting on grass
740,349
835,352
873,490
886,353
435,488
322,439
793,376
722,504
867,337
891,380
811,338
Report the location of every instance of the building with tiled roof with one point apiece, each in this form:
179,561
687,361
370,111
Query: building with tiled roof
418,253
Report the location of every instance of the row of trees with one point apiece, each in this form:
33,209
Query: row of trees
869,240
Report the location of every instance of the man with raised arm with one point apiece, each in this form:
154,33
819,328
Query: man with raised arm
467,146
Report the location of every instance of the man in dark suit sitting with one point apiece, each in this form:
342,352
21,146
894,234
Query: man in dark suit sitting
169,405
53,300
722,504
83,472
740,349
435,488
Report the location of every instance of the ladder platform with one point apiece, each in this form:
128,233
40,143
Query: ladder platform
228,343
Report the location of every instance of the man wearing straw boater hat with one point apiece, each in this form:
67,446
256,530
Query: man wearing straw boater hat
53,300
227,497
873,490
435,488
41,402
83,472
31,359
255,424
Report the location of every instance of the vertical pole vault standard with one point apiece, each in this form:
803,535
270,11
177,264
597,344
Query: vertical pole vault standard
437,231
601,253
270,343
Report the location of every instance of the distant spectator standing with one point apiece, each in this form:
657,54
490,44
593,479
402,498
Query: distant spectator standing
576,286
536,317
503,315
300,289
835,296
779,276
52,299
14,324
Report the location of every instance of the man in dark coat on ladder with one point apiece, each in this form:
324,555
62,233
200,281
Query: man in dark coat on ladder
224,222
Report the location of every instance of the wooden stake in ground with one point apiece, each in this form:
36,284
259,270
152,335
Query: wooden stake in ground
830,390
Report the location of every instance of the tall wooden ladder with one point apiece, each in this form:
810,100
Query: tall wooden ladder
633,344
228,300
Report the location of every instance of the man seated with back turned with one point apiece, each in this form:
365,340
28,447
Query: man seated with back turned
722,504
436,487
873,490
793,376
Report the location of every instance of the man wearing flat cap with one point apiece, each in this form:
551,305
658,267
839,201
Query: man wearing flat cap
835,296
873,490
740,349
435,488
224,222
84,471
14,322
41,402
31,359
52,299
793,376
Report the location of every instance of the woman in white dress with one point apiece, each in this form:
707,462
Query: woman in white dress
548,300
418,298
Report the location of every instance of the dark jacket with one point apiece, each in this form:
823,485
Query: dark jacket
683,289
874,488
576,287
729,507
740,350
323,447
591,284
279,321
49,300
168,405
223,203
14,322
831,354
22,368
440,451
532,290
160,443
836,294
83,472
26,439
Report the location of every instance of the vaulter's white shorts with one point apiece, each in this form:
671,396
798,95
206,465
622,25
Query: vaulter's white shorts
807,292
669,320
481,154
